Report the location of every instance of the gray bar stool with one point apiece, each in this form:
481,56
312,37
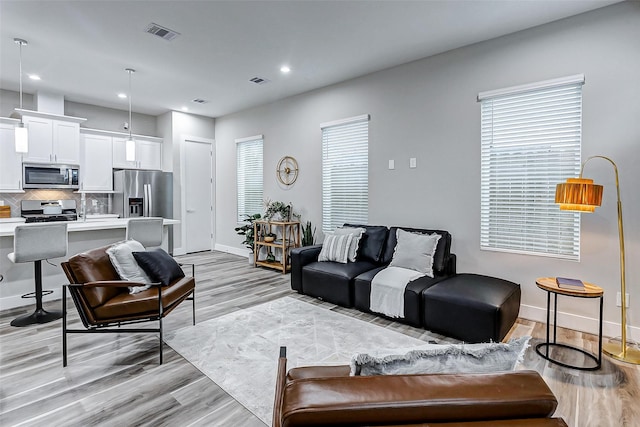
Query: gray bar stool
33,243
146,230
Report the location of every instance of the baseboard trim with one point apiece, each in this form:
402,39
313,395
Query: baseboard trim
232,250
579,323
179,251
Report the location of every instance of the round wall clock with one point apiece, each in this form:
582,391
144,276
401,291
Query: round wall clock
287,171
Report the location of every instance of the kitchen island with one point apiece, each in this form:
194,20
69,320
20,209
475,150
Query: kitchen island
19,278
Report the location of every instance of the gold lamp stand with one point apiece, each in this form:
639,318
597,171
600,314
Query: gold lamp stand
582,195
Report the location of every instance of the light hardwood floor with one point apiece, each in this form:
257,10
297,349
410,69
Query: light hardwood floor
115,380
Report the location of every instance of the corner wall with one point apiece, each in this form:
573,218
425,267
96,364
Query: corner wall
427,109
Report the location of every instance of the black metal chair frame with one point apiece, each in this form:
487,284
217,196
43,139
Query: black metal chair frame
106,327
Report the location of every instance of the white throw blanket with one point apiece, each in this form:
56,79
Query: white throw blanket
387,290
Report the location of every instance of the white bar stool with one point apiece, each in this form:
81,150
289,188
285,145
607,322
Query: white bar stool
146,230
33,243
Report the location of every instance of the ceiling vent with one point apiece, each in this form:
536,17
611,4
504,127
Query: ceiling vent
162,32
199,101
259,80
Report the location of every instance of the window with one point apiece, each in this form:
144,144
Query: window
249,176
531,137
345,172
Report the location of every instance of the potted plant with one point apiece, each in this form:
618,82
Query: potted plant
247,231
308,234
269,237
279,211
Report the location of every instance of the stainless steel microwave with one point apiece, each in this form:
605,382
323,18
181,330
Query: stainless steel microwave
36,175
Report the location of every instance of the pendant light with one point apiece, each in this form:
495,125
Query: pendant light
130,144
21,132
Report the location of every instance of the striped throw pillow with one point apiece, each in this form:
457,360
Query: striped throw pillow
335,248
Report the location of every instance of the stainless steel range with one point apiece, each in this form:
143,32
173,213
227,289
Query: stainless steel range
48,210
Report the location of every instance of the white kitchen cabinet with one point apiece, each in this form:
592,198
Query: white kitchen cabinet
66,142
10,161
119,155
96,163
52,138
148,154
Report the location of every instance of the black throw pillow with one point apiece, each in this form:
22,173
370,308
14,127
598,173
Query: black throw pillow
371,242
159,266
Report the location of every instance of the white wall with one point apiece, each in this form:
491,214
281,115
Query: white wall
111,119
173,127
9,100
97,117
427,109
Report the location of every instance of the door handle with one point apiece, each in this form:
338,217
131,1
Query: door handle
145,202
191,210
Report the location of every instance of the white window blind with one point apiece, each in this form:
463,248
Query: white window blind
249,176
531,141
345,172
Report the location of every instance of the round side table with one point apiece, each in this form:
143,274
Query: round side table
549,285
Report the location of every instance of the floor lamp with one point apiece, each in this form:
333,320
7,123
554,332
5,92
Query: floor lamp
582,195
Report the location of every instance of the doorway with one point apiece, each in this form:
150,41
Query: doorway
198,209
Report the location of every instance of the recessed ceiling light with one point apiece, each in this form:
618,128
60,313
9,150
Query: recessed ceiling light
184,109
34,77
285,69
122,95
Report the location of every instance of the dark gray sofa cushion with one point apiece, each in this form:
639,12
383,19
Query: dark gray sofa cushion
332,281
413,311
472,307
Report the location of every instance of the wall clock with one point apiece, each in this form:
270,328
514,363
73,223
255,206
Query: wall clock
287,170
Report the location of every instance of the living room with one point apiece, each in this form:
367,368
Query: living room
427,110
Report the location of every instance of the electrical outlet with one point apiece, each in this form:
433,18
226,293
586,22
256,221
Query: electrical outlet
619,299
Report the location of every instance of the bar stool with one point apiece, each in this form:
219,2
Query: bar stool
33,243
146,230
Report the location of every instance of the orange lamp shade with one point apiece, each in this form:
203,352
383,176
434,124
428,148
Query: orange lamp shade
579,194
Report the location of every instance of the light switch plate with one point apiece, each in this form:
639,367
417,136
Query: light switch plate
392,164
412,162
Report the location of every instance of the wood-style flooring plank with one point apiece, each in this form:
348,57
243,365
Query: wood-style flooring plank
115,379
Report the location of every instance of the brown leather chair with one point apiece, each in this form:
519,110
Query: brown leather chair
328,396
103,300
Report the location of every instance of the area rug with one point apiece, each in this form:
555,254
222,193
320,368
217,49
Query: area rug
239,351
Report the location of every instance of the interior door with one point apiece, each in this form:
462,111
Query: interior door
198,190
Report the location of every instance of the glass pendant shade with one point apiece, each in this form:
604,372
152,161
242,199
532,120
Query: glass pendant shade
21,138
21,132
130,150
578,194
130,144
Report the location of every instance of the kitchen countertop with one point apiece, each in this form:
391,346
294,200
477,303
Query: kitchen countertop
7,229
13,219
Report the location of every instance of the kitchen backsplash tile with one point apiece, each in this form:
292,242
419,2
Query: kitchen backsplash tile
96,202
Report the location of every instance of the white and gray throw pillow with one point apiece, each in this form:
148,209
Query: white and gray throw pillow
355,242
121,256
415,251
449,358
335,248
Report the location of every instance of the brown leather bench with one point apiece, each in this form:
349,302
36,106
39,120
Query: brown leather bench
327,395
104,301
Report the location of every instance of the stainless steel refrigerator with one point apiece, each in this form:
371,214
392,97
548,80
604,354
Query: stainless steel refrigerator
143,193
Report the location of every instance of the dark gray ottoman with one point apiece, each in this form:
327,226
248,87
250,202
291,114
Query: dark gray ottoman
471,307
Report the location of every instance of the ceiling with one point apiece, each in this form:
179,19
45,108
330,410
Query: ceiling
81,48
